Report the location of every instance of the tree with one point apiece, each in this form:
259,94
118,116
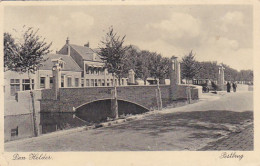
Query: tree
113,53
142,64
209,70
10,52
245,75
190,67
159,67
131,60
230,73
25,55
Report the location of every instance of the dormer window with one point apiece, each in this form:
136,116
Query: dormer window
61,64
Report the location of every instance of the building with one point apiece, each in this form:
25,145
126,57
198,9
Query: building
93,68
42,78
81,67
18,115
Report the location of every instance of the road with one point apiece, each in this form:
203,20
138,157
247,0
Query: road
200,126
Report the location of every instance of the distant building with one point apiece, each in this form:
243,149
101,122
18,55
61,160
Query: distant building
42,78
93,68
83,68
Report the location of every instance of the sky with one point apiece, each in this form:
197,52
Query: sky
222,33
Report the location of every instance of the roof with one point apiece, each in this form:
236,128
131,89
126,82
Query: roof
86,53
70,64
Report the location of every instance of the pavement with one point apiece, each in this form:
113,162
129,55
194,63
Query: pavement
242,141
204,125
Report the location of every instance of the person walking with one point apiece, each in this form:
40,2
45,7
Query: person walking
234,85
228,87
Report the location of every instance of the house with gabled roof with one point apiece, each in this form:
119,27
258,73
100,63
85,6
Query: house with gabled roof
42,78
93,68
17,115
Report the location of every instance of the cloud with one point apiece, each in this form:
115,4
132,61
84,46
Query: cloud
222,43
177,26
162,47
232,20
227,51
79,21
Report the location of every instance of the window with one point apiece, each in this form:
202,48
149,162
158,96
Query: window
26,84
92,82
112,82
62,81
76,82
91,70
87,82
82,82
42,82
102,71
14,132
15,86
51,82
123,82
99,82
87,69
103,82
96,84
69,84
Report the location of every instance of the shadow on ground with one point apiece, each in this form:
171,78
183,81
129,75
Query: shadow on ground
194,119
209,125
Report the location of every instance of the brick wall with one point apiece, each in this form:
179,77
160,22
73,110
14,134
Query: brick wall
142,95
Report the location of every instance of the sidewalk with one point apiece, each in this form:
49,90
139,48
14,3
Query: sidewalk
243,141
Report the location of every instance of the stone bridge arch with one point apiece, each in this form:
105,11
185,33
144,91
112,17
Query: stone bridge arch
100,110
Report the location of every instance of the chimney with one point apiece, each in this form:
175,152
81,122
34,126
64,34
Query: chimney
68,40
86,45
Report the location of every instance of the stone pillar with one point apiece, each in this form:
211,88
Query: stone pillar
105,75
221,79
56,72
175,76
131,76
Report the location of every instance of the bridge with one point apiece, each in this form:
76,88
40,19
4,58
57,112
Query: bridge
56,108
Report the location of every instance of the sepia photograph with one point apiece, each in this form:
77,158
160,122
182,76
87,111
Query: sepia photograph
138,77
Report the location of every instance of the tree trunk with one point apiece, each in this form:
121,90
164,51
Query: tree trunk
114,103
35,131
159,97
189,93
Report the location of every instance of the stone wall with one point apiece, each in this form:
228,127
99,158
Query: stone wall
19,115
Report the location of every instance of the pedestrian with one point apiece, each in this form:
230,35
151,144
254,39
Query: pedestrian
228,87
234,85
